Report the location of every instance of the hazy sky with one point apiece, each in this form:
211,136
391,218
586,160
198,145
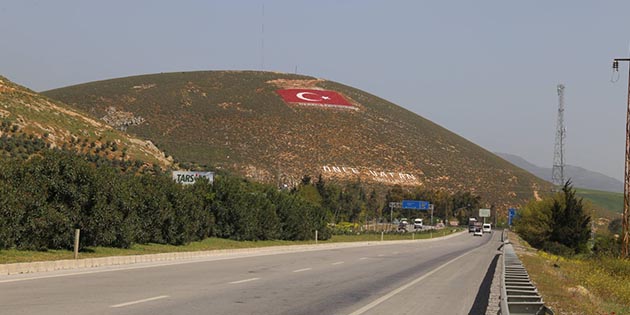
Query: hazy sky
486,70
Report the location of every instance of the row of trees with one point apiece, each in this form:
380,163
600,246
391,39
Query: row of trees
352,203
44,198
46,193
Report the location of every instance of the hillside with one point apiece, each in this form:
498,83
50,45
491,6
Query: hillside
255,124
606,204
32,120
580,177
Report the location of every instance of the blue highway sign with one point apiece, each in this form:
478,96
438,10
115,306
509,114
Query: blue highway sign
511,215
416,204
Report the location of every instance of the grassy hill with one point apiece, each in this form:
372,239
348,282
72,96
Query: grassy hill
31,121
607,204
236,121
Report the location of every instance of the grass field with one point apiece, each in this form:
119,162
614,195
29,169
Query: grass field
578,285
606,204
16,256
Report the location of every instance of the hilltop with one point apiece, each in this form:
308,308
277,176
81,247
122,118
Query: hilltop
31,121
243,122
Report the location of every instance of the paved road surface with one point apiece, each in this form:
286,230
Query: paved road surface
437,277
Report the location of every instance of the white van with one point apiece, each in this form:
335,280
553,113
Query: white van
487,228
417,224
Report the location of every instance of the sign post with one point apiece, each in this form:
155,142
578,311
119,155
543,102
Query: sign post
418,205
484,213
511,215
393,205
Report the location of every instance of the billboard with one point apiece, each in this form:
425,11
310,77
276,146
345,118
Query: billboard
189,178
484,213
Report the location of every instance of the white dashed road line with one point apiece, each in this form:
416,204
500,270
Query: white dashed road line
402,288
363,258
337,263
300,270
243,281
139,301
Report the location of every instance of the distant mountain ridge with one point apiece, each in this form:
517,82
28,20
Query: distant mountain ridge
580,177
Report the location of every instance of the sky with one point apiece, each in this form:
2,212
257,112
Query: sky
486,70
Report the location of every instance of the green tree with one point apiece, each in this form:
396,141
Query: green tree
534,223
570,225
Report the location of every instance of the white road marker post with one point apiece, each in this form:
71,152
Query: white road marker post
382,235
316,236
77,233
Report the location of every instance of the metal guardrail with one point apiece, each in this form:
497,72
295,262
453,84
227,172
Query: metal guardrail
519,296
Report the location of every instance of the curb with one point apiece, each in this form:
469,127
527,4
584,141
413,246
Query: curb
70,264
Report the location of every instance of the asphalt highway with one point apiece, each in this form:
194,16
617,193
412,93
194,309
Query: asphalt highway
436,277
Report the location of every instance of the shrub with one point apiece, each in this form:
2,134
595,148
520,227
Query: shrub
558,249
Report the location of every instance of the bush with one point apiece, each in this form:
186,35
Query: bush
607,246
558,249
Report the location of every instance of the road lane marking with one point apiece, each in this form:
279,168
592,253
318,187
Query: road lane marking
243,281
139,301
300,270
402,288
363,258
337,263
380,255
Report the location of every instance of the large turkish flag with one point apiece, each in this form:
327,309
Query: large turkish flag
314,97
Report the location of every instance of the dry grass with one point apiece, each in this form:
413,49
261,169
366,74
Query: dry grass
578,285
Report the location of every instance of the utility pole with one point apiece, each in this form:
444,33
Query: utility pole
626,177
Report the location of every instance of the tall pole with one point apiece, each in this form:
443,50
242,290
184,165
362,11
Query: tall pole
557,172
625,223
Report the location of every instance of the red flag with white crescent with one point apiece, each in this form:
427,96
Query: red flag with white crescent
315,97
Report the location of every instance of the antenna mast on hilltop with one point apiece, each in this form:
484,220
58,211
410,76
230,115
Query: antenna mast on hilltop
557,172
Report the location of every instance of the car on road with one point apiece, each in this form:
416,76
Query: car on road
402,226
487,228
478,232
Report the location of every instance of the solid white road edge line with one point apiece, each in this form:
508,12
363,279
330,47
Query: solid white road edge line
243,281
402,288
305,269
139,301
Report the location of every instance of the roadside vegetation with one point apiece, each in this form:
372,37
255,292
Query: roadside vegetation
212,243
46,193
575,271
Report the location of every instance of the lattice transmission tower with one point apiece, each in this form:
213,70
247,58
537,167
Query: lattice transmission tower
557,172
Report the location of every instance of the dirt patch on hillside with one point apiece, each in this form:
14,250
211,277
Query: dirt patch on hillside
5,89
296,84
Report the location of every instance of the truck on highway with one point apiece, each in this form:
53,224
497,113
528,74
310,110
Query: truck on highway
473,224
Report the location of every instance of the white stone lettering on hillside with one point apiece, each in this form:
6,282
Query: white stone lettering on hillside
365,173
